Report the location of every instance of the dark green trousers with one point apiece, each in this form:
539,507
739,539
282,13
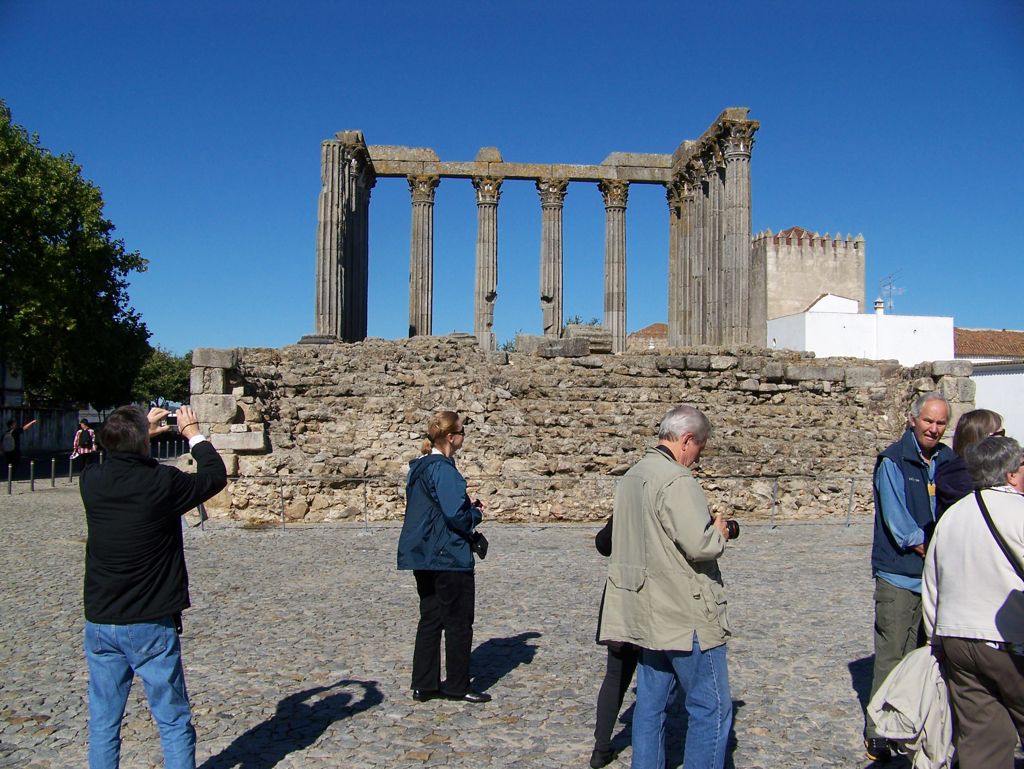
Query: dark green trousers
898,631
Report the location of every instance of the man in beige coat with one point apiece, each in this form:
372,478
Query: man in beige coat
664,594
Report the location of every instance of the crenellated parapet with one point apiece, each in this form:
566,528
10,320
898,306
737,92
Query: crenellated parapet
799,266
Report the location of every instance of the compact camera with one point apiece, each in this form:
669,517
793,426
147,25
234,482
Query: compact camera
734,529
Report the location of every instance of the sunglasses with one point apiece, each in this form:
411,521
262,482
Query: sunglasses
1000,433
461,431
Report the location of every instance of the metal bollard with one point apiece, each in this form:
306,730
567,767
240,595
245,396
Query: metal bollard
10,478
32,474
71,467
849,507
775,502
53,472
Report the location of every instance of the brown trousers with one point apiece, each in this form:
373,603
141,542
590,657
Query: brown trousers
986,692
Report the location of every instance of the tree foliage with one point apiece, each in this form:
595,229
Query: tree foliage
65,321
163,377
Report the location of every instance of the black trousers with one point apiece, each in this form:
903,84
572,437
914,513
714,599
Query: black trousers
618,675
447,600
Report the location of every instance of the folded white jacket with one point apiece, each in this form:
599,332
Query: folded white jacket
912,707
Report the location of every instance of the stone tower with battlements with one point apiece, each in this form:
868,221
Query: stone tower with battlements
794,267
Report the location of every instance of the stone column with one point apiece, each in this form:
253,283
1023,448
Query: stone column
330,238
712,252
357,249
421,255
738,141
698,255
342,275
552,198
676,284
615,193
488,190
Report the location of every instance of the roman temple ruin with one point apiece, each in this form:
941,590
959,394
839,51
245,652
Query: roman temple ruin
713,294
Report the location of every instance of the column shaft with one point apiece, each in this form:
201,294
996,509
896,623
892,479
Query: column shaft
330,236
675,282
421,255
552,198
738,142
698,260
488,191
615,193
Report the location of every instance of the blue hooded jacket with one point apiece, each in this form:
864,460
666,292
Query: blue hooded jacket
439,517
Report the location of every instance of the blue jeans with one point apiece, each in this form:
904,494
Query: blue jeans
151,649
704,681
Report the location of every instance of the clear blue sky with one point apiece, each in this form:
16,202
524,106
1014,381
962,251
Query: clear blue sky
202,122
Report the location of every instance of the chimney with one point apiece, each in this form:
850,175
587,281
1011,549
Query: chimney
879,306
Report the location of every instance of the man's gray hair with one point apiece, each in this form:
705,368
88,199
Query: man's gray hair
934,395
682,420
989,461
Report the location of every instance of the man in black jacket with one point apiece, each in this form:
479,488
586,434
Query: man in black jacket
136,585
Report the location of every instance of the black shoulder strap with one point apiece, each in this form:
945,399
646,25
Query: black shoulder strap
995,533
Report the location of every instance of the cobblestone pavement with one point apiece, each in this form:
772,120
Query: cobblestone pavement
298,648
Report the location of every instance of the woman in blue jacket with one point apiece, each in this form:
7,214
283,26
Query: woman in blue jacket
435,545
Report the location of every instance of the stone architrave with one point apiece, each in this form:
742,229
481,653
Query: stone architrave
738,141
421,254
488,191
615,193
552,199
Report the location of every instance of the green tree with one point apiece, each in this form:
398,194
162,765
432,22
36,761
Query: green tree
163,377
65,322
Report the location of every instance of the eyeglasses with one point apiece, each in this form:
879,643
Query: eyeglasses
1000,433
461,431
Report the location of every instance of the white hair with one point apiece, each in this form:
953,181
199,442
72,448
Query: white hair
682,420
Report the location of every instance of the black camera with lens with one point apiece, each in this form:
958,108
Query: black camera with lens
733,528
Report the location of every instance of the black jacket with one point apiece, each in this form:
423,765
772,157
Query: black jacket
134,558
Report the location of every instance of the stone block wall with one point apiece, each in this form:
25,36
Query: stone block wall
325,432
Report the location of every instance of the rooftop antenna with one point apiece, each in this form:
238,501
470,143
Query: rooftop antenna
889,290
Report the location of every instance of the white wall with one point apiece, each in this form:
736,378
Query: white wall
999,388
909,339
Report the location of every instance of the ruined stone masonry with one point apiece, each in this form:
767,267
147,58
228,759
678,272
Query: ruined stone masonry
711,296
324,432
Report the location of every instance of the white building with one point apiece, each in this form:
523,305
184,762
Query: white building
832,327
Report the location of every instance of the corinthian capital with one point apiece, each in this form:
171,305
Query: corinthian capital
488,189
614,192
674,194
422,188
552,192
737,138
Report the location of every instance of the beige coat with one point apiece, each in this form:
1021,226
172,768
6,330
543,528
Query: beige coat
663,578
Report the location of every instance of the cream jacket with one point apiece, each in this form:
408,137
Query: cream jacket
663,582
912,706
969,589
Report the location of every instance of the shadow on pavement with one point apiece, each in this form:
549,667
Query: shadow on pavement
860,677
495,658
296,725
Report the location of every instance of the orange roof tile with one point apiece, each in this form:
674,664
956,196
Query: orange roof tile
655,330
987,342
